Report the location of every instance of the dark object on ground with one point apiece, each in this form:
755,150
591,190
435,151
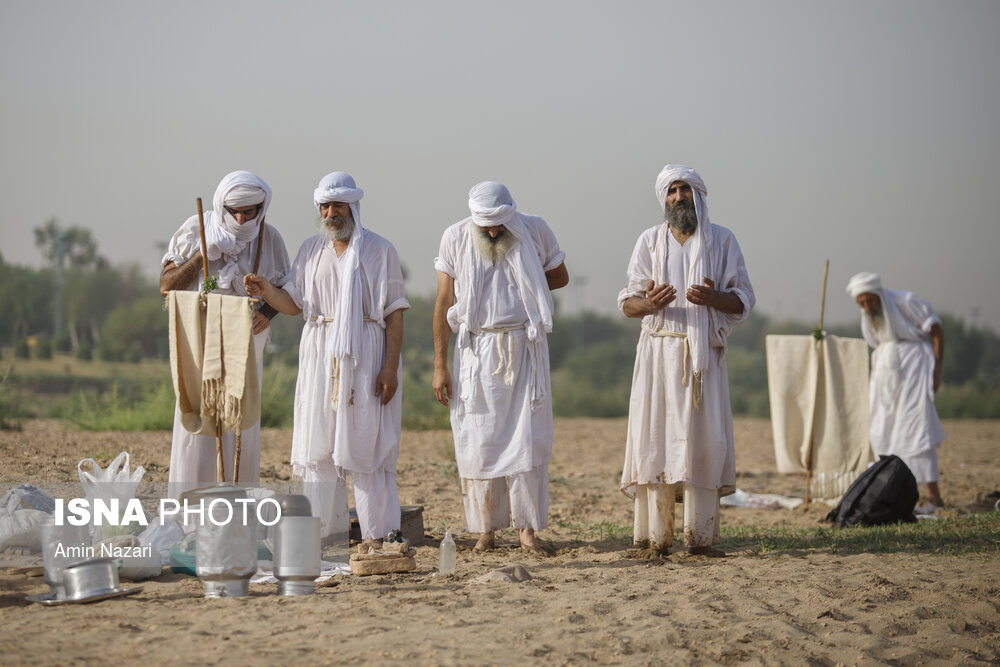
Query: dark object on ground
885,493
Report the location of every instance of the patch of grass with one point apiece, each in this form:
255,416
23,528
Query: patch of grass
126,407
974,535
11,404
600,530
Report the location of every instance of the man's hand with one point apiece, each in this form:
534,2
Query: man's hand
703,295
256,285
260,322
707,295
442,386
386,383
660,295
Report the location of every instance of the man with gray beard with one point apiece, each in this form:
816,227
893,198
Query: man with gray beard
680,428
495,271
348,284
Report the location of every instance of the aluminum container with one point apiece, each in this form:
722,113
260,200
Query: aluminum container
91,578
226,555
61,547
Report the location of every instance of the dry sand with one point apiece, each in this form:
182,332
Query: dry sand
589,603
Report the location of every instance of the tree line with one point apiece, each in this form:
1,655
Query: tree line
80,304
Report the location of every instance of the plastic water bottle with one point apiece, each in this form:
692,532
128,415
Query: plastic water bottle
446,551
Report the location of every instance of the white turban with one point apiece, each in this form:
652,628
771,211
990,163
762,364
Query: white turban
864,283
226,238
678,172
491,204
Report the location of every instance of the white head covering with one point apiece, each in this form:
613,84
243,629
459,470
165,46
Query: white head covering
886,355
699,318
864,283
491,204
226,238
339,186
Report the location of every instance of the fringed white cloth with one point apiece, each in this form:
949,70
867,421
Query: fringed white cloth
213,361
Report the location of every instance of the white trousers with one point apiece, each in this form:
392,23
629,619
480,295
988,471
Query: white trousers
654,515
924,466
194,458
376,499
493,503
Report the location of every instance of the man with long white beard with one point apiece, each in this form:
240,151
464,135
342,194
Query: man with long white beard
348,284
906,373
680,426
495,272
234,230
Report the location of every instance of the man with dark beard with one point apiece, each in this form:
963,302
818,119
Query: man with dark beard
348,284
495,271
680,430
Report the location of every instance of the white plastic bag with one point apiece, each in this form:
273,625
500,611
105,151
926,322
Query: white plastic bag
23,510
113,482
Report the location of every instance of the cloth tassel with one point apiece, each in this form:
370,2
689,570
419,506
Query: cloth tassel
335,376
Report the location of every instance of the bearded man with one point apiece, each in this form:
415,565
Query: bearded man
909,345
495,272
348,284
680,427
234,229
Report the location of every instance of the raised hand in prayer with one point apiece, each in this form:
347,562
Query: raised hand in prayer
660,295
707,295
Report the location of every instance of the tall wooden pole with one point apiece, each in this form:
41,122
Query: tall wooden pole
819,340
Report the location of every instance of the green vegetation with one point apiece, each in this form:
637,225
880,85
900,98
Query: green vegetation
973,535
112,326
976,534
126,406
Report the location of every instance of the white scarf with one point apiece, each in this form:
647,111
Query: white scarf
886,355
699,319
347,317
224,237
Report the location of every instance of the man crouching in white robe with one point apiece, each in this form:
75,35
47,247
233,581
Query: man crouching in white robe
680,426
234,230
909,345
348,284
495,271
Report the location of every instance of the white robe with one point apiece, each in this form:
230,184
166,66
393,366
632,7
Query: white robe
669,440
499,430
362,435
193,457
908,424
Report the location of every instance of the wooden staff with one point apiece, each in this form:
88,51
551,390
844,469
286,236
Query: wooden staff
204,264
809,452
201,230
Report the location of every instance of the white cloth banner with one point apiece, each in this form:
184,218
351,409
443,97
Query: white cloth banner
818,391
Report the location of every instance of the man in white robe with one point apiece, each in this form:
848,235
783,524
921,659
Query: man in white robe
495,272
680,428
909,345
233,229
348,284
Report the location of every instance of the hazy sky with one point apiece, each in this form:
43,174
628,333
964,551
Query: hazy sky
864,132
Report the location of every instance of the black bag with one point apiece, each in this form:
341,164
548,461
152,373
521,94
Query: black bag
885,493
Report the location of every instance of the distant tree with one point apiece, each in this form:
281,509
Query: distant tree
79,248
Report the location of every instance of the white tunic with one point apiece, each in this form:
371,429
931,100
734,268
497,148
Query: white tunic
907,425
193,457
362,435
497,429
669,440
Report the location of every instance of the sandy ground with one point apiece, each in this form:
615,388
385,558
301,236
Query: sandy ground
591,602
